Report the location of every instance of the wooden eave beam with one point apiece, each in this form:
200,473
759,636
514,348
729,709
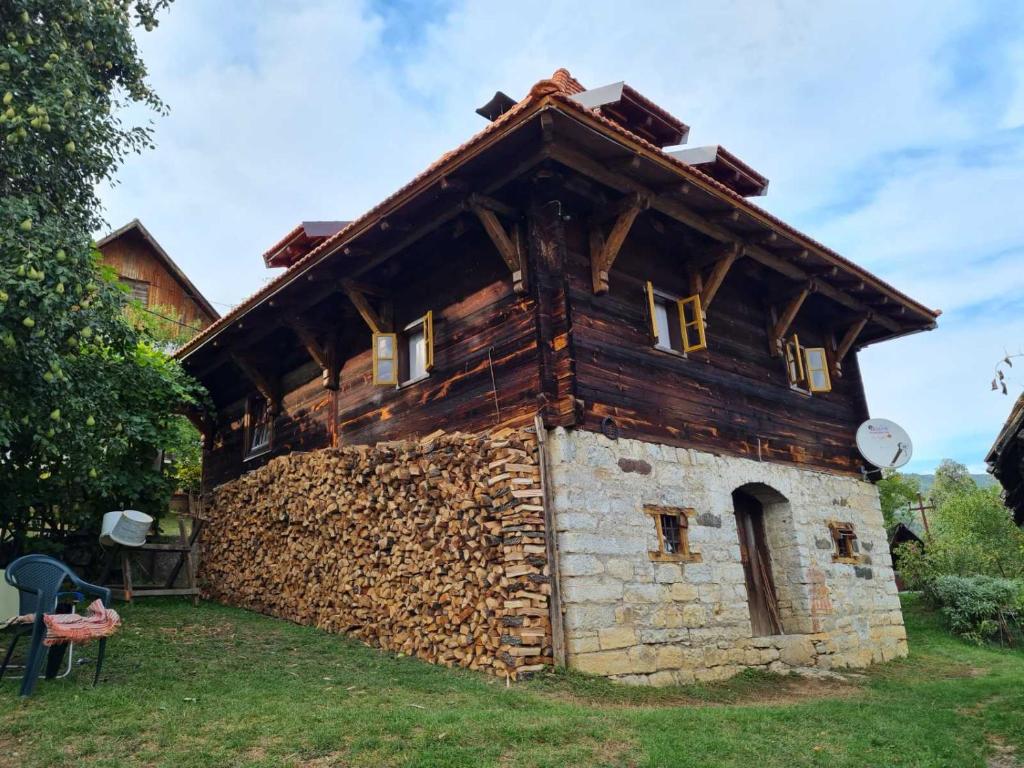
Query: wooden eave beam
718,273
375,320
508,249
685,215
604,251
789,314
265,385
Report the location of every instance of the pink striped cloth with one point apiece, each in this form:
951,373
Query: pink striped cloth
77,628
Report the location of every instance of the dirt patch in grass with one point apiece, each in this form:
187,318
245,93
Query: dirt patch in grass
1003,755
193,634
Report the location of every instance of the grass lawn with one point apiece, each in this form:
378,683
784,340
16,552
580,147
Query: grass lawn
214,686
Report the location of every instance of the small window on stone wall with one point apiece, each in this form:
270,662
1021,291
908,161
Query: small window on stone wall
845,540
673,526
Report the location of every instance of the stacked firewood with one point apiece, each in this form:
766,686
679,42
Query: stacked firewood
434,548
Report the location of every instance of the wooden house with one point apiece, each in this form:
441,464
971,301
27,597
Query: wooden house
154,280
692,359
1006,460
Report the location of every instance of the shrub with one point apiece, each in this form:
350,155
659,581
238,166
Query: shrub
980,608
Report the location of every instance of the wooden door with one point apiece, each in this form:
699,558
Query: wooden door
757,565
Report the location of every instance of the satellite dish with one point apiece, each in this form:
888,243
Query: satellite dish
884,443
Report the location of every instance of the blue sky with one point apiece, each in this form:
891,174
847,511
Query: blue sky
894,133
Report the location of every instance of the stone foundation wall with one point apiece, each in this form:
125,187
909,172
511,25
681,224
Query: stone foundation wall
642,621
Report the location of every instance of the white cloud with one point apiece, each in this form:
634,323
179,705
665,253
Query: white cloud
318,109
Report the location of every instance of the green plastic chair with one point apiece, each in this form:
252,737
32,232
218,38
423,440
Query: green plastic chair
38,579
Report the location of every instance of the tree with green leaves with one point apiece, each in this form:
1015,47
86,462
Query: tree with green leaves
897,492
85,403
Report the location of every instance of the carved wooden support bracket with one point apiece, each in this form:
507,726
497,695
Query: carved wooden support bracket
487,210
846,344
267,386
789,315
379,322
604,250
323,354
718,273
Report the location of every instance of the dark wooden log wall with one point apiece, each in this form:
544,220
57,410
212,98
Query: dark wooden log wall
481,328
733,398
576,357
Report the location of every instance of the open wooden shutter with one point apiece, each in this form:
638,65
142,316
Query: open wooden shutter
652,319
795,362
691,324
385,359
818,378
428,338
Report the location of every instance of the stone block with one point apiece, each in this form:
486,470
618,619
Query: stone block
682,592
580,565
584,644
796,651
617,637
604,663
694,615
619,568
662,679
669,657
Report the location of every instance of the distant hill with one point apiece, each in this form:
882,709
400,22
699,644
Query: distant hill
983,480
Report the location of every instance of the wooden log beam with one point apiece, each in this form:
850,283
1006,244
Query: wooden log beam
685,215
718,273
377,322
202,421
309,340
268,386
604,251
846,343
508,249
789,315
488,202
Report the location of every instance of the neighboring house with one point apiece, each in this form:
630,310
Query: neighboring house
692,357
1006,460
155,281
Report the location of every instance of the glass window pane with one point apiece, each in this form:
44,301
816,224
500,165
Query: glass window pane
819,380
661,323
385,370
385,348
417,354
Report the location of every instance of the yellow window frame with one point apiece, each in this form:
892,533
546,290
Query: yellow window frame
428,338
379,380
649,289
816,361
692,305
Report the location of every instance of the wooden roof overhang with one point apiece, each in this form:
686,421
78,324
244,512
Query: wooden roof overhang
630,166
1005,459
549,126
458,185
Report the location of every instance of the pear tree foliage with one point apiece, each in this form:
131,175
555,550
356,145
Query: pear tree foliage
85,402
